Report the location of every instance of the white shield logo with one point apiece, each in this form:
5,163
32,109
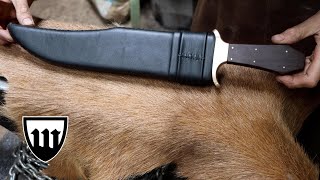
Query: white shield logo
45,135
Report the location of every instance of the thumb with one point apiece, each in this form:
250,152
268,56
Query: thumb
289,36
299,32
23,12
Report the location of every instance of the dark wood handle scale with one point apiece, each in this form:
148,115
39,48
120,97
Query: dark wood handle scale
281,59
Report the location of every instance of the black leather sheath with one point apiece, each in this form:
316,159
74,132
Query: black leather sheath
179,56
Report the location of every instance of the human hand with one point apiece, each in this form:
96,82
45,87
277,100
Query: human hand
310,77
11,10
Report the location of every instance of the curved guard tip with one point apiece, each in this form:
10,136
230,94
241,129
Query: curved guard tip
216,82
220,56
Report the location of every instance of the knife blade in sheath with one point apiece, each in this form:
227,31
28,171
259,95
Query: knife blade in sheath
185,57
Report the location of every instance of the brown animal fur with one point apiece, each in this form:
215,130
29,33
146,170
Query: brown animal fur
121,125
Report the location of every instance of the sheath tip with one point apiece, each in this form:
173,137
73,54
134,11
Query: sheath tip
11,27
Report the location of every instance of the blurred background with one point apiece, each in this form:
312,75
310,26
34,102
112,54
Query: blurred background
150,14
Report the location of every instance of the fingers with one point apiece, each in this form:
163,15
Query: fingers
6,1
299,32
5,36
299,80
309,78
8,12
23,12
289,36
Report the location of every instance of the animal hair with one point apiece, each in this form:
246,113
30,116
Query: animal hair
125,125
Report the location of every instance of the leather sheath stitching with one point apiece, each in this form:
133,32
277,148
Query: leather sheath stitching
191,56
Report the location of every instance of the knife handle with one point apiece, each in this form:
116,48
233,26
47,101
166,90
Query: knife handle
281,59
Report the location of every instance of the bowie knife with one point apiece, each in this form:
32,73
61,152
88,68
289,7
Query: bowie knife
185,57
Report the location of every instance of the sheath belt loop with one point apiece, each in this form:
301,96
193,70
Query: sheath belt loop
190,61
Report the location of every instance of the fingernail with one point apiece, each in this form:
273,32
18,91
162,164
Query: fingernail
28,21
278,37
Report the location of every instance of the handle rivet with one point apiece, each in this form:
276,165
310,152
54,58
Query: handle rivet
231,59
283,67
256,49
232,47
254,61
287,51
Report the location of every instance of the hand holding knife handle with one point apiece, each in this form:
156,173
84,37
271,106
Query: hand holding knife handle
281,59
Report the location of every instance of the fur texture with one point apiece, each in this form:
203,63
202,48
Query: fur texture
122,125
164,172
